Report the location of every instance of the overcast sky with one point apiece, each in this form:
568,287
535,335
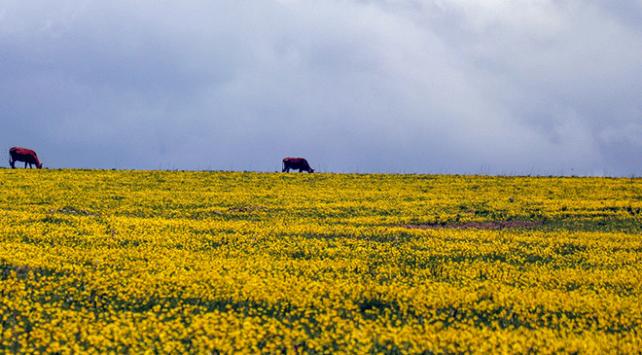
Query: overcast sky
434,86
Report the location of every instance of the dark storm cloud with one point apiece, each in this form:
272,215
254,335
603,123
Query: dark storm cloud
524,87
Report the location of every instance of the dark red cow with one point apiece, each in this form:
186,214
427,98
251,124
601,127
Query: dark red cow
296,163
23,154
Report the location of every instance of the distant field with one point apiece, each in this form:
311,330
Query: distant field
197,261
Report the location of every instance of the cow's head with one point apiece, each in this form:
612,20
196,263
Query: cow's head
39,165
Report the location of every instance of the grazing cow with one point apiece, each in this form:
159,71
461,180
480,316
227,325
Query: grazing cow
296,163
23,154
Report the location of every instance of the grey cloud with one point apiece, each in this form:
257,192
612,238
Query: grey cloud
524,87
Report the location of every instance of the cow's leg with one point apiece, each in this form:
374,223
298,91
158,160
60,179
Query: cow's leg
12,163
25,165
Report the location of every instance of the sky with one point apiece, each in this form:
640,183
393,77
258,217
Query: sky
523,87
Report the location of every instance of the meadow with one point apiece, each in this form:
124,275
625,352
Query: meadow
173,262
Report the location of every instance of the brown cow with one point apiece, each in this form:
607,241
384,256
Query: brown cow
296,163
23,154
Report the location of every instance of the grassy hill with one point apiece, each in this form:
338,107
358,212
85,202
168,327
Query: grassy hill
205,261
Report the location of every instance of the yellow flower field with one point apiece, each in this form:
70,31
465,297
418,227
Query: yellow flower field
173,262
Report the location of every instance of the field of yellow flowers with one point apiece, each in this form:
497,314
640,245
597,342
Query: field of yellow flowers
173,262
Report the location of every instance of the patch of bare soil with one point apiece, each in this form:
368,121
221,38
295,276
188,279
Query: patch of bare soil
246,209
73,211
491,225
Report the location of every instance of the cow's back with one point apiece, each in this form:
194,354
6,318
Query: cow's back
295,163
22,151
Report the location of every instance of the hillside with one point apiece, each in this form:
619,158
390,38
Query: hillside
205,261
